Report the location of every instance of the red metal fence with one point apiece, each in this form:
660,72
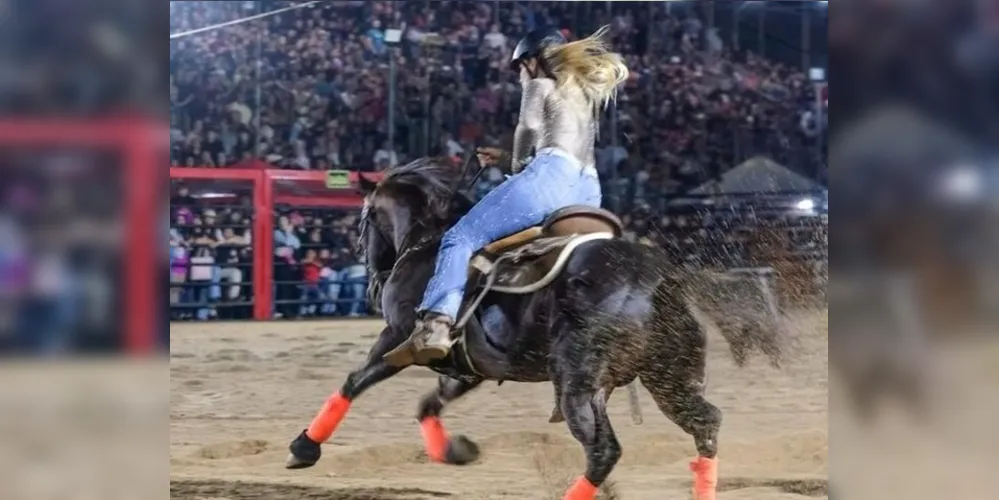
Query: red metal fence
269,194
313,271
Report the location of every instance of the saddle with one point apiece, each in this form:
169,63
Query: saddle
526,261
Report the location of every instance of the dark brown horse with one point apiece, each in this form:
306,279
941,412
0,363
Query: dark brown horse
568,302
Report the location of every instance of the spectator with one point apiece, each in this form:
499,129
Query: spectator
376,38
329,283
690,95
286,244
355,274
230,252
179,263
312,269
495,39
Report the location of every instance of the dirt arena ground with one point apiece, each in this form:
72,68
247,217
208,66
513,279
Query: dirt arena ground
241,392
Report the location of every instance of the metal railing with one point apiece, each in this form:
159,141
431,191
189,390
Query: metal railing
317,272
334,296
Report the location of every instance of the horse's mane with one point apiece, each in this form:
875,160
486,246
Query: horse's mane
431,179
434,178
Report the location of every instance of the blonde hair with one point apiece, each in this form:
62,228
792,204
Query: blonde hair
590,65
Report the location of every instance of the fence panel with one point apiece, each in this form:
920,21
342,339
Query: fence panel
317,271
211,249
300,258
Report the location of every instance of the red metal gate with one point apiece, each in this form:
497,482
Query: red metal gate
270,188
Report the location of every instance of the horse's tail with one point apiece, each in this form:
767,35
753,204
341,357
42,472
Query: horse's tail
590,65
744,309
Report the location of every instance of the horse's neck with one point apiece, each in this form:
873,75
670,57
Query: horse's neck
415,265
424,243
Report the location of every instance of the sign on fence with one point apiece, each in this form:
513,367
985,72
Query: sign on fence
337,179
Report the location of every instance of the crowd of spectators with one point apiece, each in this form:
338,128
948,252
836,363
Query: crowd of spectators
316,270
308,89
318,273
211,257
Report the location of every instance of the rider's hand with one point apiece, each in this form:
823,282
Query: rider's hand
488,156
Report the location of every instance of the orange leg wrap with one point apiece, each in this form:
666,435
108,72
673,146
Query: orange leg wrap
435,438
328,419
705,477
582,489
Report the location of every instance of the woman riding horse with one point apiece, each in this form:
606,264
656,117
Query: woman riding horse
617,312
565,86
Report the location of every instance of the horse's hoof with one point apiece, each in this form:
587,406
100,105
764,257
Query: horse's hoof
556,417
461,451
304,453
294,462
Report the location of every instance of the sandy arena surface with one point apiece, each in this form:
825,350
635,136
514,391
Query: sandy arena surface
241,391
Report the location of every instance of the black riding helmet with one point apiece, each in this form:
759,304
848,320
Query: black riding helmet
532,45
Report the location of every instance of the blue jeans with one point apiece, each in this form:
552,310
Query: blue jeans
313,298
198,293
330,290
554,180
358,288
345,294
215,291
46,325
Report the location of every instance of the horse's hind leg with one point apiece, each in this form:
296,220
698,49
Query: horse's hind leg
584,405
305,449
688,409
677,386
457,450
556,415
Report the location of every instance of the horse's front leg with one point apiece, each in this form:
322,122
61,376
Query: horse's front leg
441,448
305,449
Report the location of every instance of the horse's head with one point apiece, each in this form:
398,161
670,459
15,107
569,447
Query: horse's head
413,203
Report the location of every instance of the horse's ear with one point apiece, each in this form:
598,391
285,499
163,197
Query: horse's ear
366,186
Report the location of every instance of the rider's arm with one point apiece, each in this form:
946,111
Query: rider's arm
532,120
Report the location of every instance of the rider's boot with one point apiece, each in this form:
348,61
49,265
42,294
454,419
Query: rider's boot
431,340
